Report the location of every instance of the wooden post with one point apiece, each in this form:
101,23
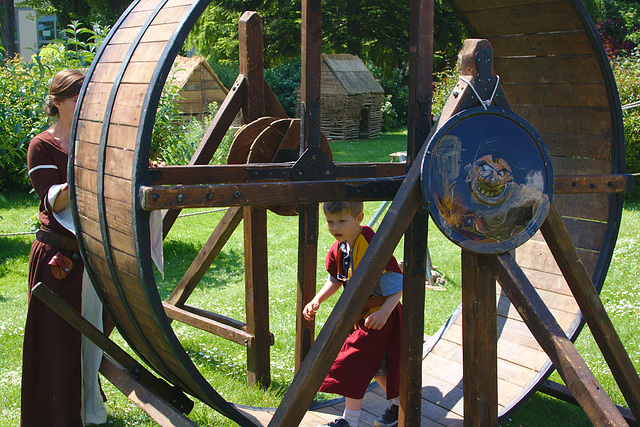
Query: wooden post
543,326
605,335
255,219
479,342
309,137
415,252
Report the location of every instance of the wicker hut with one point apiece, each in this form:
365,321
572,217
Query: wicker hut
350,100
198,83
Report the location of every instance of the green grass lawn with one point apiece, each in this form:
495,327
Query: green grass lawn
222,290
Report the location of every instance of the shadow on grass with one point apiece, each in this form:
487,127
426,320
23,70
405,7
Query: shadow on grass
178,257
542,410
13,251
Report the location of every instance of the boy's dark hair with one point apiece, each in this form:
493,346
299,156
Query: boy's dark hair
353,208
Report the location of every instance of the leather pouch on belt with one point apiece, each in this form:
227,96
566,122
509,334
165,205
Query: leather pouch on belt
60,266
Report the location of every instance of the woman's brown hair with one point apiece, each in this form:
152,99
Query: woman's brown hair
65,84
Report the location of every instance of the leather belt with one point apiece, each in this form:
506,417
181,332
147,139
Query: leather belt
51,238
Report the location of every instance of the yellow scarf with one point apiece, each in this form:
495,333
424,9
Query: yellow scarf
359,248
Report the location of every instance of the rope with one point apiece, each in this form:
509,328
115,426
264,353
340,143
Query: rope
23,233
17,234
485,103
200,213
632,105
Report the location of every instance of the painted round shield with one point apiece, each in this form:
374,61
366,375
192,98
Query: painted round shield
488,179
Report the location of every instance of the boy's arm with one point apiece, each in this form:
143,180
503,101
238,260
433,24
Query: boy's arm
329,288
378,319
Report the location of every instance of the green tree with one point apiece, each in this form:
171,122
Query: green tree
105,12
375,30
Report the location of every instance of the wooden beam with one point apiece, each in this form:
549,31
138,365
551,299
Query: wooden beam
158,386
479,341
257,295
323,352
223,330
564,356
206,256
562,392
273,106
263,172
137,392
309,220
213,136
584,291
311,51
415,249
265,194
252,64
584,184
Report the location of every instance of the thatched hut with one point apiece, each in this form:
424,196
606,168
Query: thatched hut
350,100
199,85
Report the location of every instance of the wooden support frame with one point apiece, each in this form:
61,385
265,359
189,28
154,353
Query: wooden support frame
158,390
308,226
479,341
559,241
566,359
415,251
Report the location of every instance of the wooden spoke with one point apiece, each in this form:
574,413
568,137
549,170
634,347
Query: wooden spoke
544,327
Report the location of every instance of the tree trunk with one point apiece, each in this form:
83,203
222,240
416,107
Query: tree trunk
354,42
9,28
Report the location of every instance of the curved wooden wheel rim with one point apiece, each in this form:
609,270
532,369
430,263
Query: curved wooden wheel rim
541,49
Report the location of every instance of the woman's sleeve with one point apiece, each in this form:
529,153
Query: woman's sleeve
43,171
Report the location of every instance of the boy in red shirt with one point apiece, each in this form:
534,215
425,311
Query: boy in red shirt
372,349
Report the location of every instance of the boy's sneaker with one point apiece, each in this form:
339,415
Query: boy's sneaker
389,418
338,422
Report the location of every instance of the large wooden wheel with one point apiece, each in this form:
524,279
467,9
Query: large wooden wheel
553,71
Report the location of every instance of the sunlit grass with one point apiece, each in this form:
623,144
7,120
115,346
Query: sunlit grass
223,363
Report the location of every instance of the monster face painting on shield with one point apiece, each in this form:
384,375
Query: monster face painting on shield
485,194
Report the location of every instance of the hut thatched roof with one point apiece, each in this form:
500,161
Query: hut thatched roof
199,85
183,69
352,74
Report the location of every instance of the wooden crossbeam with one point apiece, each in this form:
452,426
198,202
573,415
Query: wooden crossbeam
265,194
584,184
229,174
565,358
210,322
579,281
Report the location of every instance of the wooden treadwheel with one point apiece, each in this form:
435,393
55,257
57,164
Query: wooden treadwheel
554,73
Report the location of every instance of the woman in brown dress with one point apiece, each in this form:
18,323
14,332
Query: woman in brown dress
52,388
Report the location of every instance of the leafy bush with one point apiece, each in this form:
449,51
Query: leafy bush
627,73
396,98
179,147
284,80
618,23
23,87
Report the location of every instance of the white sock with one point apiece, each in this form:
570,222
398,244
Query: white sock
396,400
351,416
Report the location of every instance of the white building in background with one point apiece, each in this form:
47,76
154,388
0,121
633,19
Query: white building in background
33,31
